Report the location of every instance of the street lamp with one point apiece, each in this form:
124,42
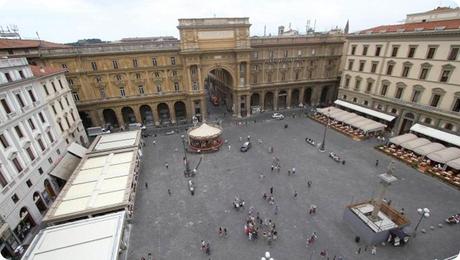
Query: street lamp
424,213
322,148
187,171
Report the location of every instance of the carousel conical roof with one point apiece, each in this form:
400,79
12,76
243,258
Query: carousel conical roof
205,131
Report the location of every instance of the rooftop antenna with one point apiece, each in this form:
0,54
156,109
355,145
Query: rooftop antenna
314,26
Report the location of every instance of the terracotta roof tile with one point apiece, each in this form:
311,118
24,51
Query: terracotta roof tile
21,44
40,71
411,27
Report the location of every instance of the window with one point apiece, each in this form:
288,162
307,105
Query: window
46,89
64,66
353,49
30,153
344,97
357,83
134,63
365,47
58,152
18,131
286,53
20,101
394,52
174,73
431,51
17,164
374,67
118,77
98,79
411,51
347,82
159,88
67,101
176,86
141,89
157,74
271,54
115,64
390,68
394,111
60,105
296,75
456,107
31,123
8,77
427,121
448,126
75,96
283,76
154,61
195,85
6,106
50,160
54,86
21,74
255,55
41,144
67,122
42,118
355,100
60,84
54,109
377,50
60,126
102,92
29,183
399,92
405,71
445,75
366,102
173,61
73,117
416,96
269,77
4,142
453,53
435,100
31,95
369,87
122,92
94,65
15,198
350,65
40,170
3,181
361,65
384,89
70,82
138,76
424,73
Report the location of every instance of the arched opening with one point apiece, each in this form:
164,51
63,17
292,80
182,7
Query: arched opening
282,99
25,225
295,102
255,99
163,113
128,115
449,126
408,121
85,119
219,84
110,118
323,97
146,115
41,206
307,96
49,190
268,101
180,111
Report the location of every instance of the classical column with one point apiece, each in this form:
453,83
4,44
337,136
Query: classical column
97,117
288,100
301,93
262,100
204,109
137,114
248,73
238,108
172,112
248,105
119,115
238,75
315,95
156,118
275,100
235,105
200,83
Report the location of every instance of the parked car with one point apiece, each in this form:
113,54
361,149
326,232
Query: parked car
245,147
94,131
278,116
171,132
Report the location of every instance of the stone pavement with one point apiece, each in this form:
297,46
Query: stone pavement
171,227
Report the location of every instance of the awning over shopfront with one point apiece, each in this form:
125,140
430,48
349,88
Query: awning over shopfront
347,116
336,114
410,145
437,134
376,126
66,166
445,155
428,148
397,140
454,164
328,110
352,120
364,110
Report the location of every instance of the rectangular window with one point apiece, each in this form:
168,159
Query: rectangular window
445,75
94,65
157,74
67,122
283,76
174,73
424,73
405,72
54,86
31,123
41,144
377,50
384,89
54,109
46,89
6,106
4,142
394,52
357,84
134,63
30,153
64,66
453,53
411,53
8,77
176,86
17,165
286,53
365,50
60,104
42,118
20,101
255,55
21,74
50,160
435,100
431,51
173,61
40,171
415,96
353,49
70,82
297,75
60,126
31,95
399,92
75,95
195,85
350,65
102,92
158,88
138,76
374,67
369,87
73,117
456,107
115,64
154,61
122,92
3,181
60,84
118,77
67,101
18,131
141,89
29,182
390,69
15,198
361,65
347,82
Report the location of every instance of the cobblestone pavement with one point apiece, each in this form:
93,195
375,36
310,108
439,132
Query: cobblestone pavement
171,227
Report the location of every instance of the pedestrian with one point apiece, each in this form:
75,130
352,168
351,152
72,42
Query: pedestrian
154,142
289,172
374,250
264,196
323,253
221,231
208,249
276,209
149,256
241,139
343,162
146,185
169,192
272,167
295,194
166,165
358,251
225,232
249,138
376,163
402,211
389,203
293,171
271,190
262,176
229,147
203,245
309,184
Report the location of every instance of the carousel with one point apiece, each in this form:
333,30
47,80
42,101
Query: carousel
204,138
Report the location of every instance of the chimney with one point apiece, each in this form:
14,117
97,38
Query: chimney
280,30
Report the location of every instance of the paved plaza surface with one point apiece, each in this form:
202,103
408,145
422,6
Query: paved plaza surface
171,227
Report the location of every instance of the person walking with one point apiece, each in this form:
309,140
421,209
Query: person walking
169,192
271,190
272,167
276,209
374,250
289,172
166,165
309,184
146,185
229,147
225,232
293,171
295,194
376,163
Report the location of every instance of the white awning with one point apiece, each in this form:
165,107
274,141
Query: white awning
76,149
364,122
437,134
428,148
445,155
66,166
365,110
327,110
205,131
376,126
347,116
338,113
402,138
454,164
415,143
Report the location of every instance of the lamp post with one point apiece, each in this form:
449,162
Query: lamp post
424,213
322,148
187,171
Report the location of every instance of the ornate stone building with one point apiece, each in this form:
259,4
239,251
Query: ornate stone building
163,80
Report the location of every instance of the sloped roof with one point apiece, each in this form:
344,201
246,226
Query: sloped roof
39,71
411,27
24,44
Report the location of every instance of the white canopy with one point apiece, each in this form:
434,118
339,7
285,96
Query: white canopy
435,133
353,120
336,114
364,122
402,138
205,131
347,116
375,126
428,148
445,155
327,110
415,143
365,110
454,164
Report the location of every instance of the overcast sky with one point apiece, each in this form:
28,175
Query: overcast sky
70,20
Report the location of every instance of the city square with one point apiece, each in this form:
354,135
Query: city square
172,226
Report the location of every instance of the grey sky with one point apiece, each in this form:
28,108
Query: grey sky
70,20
